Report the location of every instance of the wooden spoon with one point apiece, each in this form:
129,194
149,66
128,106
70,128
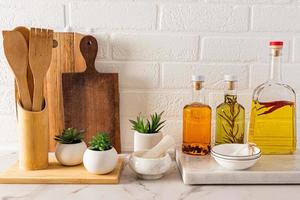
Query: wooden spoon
16,51
25,32
40,54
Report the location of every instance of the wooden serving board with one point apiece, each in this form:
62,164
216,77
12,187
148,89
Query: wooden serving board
66,57
270,169
91,99
58,174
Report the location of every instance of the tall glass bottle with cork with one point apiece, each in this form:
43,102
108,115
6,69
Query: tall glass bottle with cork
272,121
197,122
230,115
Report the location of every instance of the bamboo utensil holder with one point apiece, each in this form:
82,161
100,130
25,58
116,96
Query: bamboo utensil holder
33,129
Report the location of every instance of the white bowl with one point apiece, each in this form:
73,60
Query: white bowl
235,164
235,152
149,168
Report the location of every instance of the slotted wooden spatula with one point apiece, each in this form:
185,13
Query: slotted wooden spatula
40,53
16,51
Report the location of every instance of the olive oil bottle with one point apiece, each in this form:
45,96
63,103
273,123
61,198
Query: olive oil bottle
230,116
197,122
272,121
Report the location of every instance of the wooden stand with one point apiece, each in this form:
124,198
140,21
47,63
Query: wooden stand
33,136
59,174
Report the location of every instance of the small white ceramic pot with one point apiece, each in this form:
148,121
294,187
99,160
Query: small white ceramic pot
100,162
70,154
145,141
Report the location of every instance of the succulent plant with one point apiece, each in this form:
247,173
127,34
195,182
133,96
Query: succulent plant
100,142
154,125
70,136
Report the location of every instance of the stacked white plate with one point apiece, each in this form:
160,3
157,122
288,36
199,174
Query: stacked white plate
236,156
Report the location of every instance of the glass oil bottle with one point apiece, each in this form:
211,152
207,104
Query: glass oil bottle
230,116
197,122
272,121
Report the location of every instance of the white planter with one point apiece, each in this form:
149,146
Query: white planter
70,154
100,162
145,141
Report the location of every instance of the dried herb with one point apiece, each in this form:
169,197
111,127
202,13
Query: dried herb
232,130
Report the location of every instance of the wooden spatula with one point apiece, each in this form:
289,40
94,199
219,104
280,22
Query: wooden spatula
40,53
25,32
16,51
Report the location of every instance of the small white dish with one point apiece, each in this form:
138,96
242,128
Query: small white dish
235,164
236,152
149,168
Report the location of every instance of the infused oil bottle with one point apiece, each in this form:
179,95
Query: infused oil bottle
272,121
230,115
197,122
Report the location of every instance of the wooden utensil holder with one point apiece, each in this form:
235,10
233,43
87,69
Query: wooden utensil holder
33,130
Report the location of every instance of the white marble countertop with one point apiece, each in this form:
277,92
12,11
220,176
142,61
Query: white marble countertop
169,187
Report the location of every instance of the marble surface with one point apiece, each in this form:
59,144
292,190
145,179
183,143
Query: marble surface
169,187
270,169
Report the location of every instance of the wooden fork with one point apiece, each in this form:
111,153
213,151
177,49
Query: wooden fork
40,53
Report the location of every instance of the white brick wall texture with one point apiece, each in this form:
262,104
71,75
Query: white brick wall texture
156,46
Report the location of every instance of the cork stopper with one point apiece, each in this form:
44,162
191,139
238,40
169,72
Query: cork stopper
230,81
276,47
198,81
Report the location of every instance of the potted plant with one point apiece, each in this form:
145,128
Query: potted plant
147,132
70,147
101,157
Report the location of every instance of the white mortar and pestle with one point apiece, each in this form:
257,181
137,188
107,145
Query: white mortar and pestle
154,163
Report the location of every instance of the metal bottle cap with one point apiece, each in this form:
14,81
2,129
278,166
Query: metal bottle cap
230,77
198,78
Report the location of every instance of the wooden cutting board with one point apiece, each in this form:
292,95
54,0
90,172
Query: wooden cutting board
91,99
66,57
58,174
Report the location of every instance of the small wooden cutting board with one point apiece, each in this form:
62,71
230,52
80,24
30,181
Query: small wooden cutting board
58,174
91,99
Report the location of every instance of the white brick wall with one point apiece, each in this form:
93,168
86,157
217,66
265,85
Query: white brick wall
276,18
161,47
195,17
156,46
113,15
236,49
32,14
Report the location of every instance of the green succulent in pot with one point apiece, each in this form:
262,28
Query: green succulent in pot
70,146
148,126
100,142
147,132
70,136
101,157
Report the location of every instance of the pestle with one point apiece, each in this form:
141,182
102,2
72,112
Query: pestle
159,149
